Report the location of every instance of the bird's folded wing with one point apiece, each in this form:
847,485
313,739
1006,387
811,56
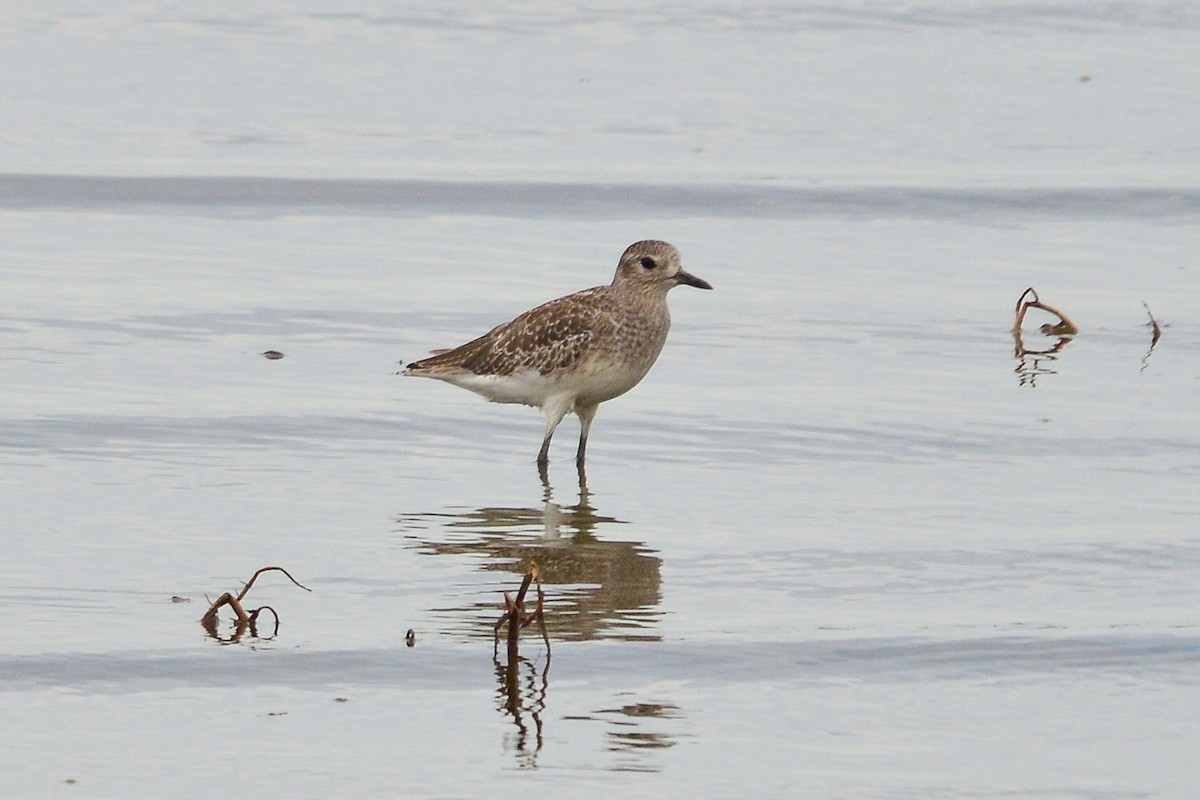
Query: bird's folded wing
550,337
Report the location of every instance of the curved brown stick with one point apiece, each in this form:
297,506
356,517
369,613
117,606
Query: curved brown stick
1024,294
226,599
1022,308
1065,326
254,577
517,617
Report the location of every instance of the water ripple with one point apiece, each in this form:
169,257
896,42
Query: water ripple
591,201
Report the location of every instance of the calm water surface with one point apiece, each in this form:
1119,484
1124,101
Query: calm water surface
844,541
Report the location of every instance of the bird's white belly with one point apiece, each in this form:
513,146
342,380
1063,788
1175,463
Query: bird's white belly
531,388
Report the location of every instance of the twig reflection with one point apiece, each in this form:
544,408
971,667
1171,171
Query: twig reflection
1029,362
522,691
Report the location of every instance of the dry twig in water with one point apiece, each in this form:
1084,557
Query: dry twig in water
1065,326
245,619
517,617
1155,335
1153,323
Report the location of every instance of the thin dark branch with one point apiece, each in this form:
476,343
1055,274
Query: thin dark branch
254,577
1154,326
517,617
528,579
1022,307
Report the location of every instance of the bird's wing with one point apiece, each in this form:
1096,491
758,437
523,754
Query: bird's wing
553,336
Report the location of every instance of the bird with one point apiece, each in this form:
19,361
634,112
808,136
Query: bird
571,354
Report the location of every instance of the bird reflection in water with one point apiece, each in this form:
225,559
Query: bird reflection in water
598,589
602,589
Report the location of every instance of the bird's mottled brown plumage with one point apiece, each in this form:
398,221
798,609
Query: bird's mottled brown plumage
573,353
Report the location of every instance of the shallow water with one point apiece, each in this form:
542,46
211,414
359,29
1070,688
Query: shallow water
841,542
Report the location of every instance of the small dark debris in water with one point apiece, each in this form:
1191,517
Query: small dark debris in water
340,700
177,599
277,713
273,355
1085,78
69,781
644,710
410,638
1061,329
517,617
246,620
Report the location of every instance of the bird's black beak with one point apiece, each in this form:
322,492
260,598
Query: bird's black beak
691,280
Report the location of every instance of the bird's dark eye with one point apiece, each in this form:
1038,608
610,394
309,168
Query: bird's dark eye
648,262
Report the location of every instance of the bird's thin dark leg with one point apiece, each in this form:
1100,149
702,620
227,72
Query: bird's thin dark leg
581,471
554,415
586,415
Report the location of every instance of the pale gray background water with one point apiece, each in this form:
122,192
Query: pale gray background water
834,546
